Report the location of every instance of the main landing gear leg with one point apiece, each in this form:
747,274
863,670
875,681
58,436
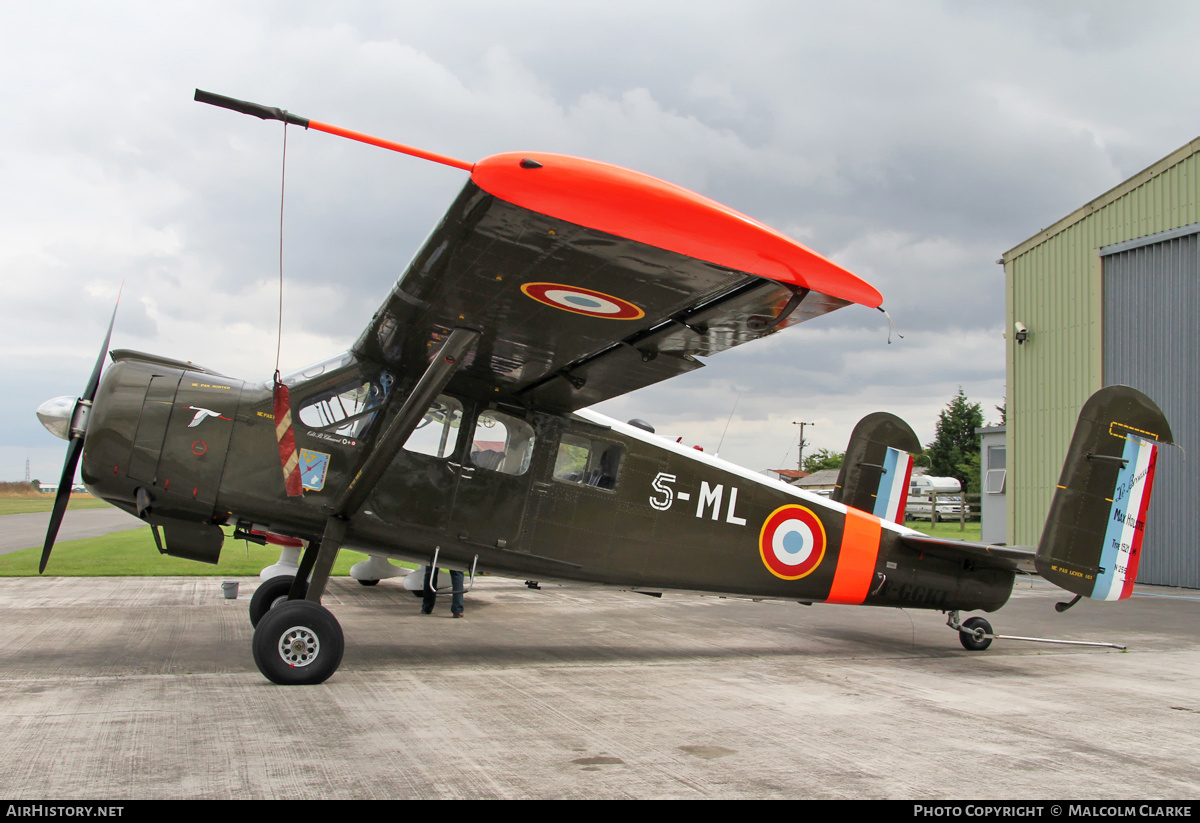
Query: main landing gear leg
300,642
275,591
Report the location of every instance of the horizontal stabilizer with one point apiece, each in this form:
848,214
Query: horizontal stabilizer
1092,542
1014,558
878,463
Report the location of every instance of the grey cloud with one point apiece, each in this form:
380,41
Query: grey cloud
911,142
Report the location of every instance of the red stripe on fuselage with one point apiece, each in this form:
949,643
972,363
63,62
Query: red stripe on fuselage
645,209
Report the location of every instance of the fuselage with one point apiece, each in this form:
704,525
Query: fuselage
573,497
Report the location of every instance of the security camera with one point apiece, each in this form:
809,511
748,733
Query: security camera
1022,333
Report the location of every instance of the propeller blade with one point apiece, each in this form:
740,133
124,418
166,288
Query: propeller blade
89,393
61,499
75,447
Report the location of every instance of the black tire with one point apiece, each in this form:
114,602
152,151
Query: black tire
966,635
269,594
368,582
298,643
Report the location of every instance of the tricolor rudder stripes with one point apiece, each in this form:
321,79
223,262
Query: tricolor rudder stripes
1092,542
1127,521
288,457
892,496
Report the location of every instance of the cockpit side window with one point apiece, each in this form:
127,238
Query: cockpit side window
588,462
347,408
437,433
502,443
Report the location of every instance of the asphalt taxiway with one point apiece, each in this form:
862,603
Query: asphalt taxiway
145,688
24,531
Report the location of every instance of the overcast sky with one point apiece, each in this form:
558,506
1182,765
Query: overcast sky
912,142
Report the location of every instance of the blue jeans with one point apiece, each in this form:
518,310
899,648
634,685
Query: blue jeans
430,598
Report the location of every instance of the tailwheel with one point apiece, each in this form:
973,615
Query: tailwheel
975,634
298,643
269,594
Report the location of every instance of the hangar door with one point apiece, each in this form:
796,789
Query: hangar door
1152,342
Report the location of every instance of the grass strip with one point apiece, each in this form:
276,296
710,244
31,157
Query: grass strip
29,505
133,554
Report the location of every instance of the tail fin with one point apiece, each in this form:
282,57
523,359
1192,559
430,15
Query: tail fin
876,471
1092,541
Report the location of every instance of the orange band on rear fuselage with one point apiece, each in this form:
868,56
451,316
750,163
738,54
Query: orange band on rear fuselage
856,559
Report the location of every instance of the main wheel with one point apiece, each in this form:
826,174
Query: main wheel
269,594
368,582
298,643
967,634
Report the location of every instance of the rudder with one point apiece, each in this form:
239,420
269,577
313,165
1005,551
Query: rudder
875,473
1092,542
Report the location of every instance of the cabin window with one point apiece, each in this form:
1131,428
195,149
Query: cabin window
346,409
437,433
502,443
588,462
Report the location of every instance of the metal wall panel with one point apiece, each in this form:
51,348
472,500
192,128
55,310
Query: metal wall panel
1055,286
1152,342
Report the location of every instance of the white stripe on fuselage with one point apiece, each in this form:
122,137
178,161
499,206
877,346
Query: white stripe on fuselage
724,465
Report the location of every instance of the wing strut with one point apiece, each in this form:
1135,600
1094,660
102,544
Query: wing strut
435,378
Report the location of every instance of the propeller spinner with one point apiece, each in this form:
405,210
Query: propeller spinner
67,417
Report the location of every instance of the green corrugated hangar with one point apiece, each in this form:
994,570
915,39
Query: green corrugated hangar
1109,295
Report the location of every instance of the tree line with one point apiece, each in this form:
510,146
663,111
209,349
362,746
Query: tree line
953,452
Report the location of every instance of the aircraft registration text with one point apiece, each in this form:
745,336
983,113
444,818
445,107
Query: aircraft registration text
709,500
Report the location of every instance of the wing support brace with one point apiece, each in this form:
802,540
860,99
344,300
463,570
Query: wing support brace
427,388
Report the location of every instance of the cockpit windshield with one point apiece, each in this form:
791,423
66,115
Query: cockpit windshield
315,370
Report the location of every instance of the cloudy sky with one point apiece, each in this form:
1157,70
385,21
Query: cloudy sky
912,142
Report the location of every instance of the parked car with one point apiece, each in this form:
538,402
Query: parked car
949,507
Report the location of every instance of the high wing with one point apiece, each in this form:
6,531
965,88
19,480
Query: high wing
587,281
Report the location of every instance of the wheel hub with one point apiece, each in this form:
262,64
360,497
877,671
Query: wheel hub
299,646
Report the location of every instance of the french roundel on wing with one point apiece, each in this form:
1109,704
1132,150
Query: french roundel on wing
582,301
792,542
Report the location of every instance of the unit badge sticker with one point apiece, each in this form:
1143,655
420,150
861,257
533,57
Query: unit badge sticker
313,468
792,542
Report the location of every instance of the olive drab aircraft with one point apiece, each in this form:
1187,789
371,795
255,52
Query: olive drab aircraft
455,432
